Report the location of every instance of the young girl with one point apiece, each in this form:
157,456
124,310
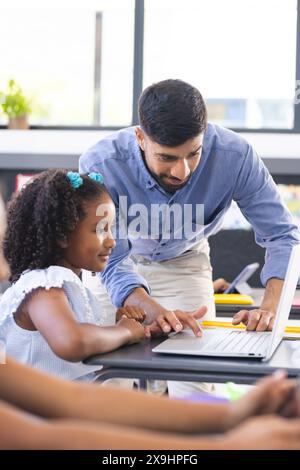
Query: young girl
47,317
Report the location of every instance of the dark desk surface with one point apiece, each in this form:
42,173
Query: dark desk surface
138,361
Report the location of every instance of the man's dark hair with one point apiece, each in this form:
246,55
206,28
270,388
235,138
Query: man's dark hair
44,213
172,112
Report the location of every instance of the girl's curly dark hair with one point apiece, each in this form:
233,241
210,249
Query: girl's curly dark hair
45,212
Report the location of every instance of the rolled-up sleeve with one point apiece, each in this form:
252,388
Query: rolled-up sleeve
258,198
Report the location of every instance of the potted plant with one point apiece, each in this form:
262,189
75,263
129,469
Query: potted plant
16,106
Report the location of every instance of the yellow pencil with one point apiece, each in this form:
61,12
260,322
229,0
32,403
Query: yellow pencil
227,324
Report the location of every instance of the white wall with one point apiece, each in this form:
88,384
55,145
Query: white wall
75,142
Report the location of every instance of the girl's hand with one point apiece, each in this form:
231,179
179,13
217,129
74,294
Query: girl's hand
136,331
131,312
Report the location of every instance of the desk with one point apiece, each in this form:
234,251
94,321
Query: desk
223,310
138,361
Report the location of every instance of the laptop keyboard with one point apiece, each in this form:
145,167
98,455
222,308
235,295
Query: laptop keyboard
244,342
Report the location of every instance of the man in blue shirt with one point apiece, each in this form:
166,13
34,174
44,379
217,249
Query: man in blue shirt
174,161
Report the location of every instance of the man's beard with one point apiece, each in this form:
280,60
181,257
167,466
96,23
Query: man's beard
160,178
168,187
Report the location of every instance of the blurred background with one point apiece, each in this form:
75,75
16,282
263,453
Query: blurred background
82,65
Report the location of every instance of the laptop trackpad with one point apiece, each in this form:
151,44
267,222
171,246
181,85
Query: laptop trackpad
186,342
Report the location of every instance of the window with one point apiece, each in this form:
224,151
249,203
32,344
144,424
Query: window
241,55
75,59
84,63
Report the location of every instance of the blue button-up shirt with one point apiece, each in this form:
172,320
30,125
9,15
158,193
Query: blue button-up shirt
229,169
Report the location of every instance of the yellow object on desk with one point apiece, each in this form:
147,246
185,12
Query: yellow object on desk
232,299
228,324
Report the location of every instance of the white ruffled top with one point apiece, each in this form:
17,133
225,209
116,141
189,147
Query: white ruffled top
30,347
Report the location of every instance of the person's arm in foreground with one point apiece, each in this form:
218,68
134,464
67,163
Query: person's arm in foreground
20,430
50,397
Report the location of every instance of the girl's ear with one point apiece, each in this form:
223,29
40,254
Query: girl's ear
63,243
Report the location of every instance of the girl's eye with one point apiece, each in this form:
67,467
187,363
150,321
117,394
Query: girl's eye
105,229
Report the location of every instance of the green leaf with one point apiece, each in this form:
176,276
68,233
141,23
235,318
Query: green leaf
13,102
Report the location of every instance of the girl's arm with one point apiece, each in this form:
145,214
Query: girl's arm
51,314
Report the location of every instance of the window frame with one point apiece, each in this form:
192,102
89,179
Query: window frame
139,13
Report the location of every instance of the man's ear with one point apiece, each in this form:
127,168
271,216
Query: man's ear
63,243
140,137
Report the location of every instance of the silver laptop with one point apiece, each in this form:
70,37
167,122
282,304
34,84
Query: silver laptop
224,342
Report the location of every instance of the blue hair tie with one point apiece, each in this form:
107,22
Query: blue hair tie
96,177
75,179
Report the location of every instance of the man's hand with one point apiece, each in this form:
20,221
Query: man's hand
160,319
256,319
177,320
262,319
